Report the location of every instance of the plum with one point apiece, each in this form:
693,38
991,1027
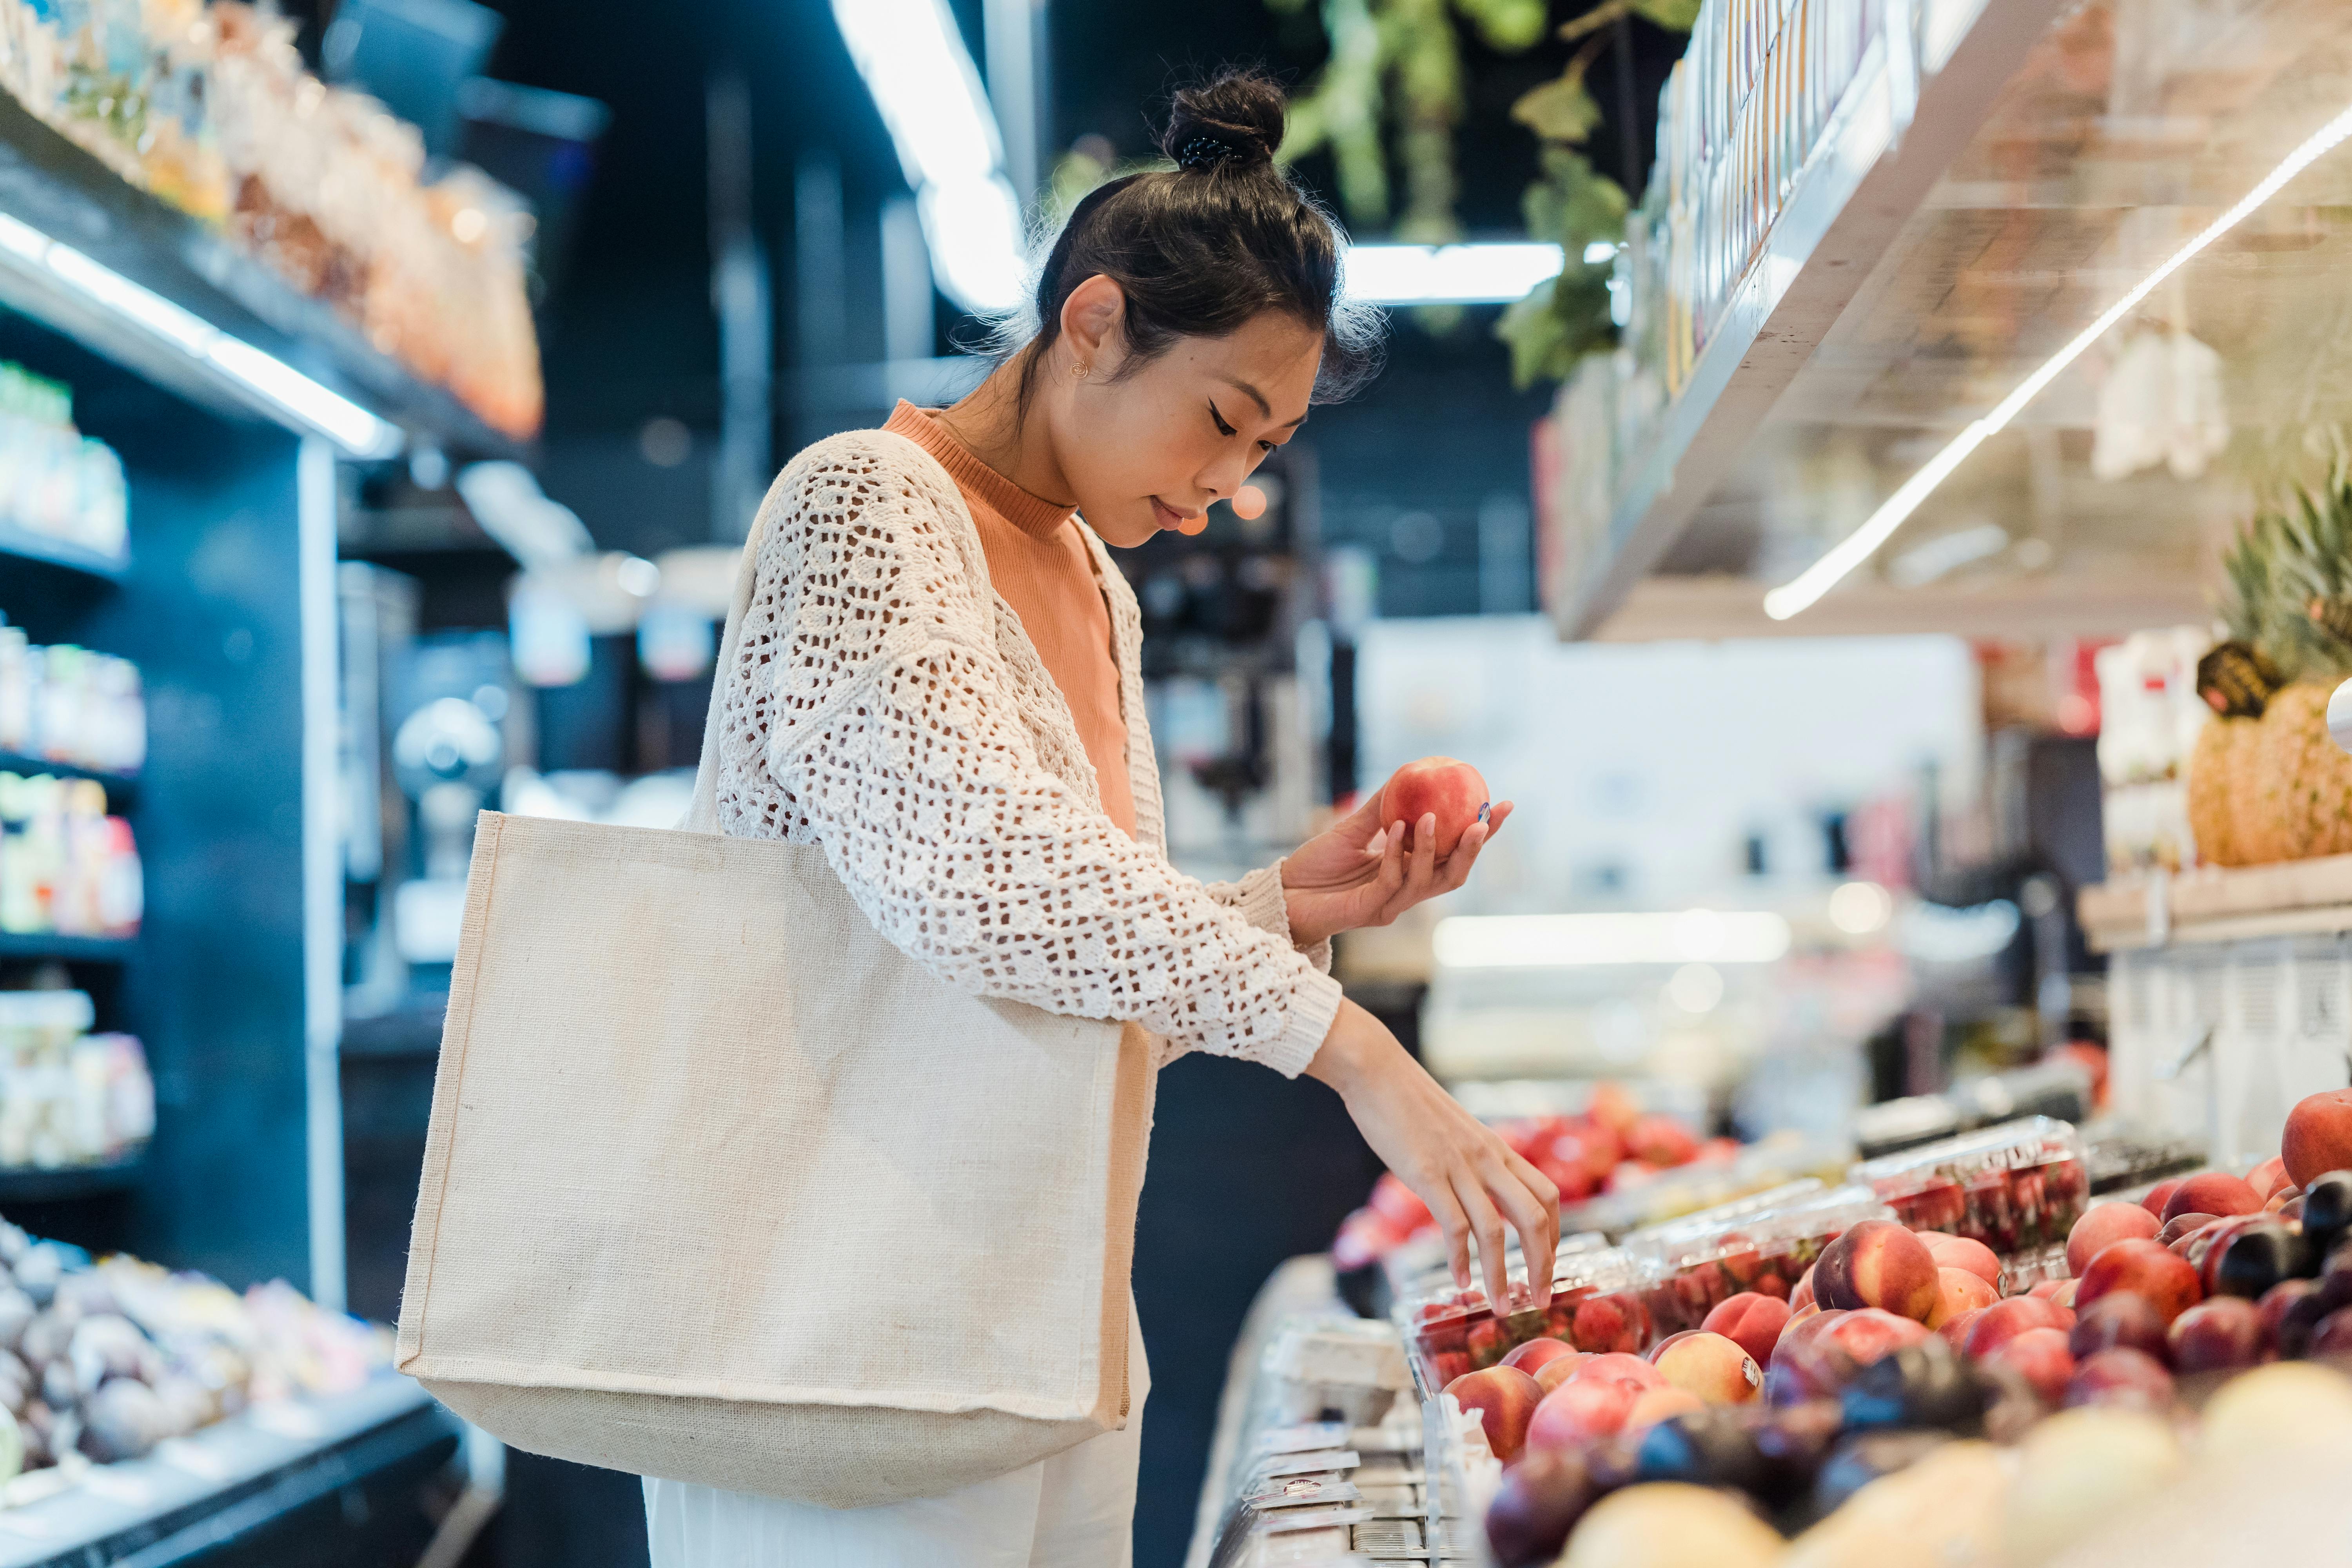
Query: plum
2289,1312
1925,1384
2220,1335
1863,1457
1539,1501
2327,1210
2249,1263
2120,1319
2120,1375
1710,1447
2332,1336
1793,1441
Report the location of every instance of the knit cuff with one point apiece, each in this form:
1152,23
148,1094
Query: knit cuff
1259,898
1313,1007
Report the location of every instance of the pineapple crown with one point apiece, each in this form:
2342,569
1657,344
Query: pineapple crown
2290,580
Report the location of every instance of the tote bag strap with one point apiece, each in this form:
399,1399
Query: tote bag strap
703,815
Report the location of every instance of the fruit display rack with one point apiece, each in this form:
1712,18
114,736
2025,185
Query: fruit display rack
228,1486
2218,903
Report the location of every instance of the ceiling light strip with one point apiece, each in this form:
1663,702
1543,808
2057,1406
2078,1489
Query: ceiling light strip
1804,591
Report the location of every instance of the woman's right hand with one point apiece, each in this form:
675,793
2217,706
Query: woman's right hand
1456,1164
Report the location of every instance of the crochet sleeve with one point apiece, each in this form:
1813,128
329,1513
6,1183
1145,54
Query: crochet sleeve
1258,896
869,684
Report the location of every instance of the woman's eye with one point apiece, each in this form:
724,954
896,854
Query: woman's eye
1267,446
1223,428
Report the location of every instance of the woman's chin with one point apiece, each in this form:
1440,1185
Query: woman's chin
1127,532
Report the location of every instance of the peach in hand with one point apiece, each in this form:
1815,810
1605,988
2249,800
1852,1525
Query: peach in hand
1880,1264
1506,1400
1445,787
1714,1367
2102,1223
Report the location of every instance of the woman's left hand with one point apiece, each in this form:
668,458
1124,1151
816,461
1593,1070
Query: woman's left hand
1360,872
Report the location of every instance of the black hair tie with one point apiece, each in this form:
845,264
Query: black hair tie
1205,152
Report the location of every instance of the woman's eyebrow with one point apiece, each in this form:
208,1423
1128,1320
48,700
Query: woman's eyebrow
1259,398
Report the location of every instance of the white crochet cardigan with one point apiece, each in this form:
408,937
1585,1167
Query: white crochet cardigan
886,703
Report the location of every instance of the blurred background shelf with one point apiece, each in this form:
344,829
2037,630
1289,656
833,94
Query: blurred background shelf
27,1184
24,545
79,949
119,787
62,192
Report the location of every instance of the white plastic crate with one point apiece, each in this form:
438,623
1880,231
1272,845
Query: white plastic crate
2217,1040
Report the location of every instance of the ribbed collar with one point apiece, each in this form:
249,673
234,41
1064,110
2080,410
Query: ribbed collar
1033,515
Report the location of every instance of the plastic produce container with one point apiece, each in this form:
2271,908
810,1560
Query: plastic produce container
1690,1266
2018,1187
1593,1307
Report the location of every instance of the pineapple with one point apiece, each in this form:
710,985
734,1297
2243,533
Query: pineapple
2276,787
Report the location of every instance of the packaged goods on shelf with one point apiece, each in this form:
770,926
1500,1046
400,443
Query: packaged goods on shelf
1669,1195
1594,1307
1692,1265
2018,1188
56,482
68,1097
210,109
66,704
66,866
2149,717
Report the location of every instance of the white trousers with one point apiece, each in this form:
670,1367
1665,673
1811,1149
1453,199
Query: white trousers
1075,1510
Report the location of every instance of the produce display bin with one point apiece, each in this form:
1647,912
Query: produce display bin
1690,1266
1594,1307
2018,1188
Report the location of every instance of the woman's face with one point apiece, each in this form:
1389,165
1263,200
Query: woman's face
1151,449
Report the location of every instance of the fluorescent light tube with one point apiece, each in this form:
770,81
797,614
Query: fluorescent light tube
1801,593
1567,941
1450,274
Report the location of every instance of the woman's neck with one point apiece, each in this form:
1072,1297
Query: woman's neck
988,420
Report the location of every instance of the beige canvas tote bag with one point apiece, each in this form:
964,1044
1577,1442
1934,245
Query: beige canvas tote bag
722,1188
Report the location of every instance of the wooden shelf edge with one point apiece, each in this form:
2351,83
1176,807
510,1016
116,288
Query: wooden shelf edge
2220,903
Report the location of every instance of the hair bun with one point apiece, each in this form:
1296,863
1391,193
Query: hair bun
1234,119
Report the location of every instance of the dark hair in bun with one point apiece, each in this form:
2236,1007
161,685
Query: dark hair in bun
1203,248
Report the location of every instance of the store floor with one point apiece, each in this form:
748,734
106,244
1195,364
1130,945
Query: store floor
1246,1170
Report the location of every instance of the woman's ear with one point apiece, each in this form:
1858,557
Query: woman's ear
1093,319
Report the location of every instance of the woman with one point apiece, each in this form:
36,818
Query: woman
938,682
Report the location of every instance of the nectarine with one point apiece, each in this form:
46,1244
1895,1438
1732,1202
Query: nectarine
2103,1222
1450,788
1506,1400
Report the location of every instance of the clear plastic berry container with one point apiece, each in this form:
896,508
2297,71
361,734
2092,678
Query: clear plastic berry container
2018,1187
1692,1265
1593,1307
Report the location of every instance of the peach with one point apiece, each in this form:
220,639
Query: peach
2041,1357
2120,1375
1879,1264
2213,1193
2118,1320
1659,1405
1802,1295
2005,1320
2183,1226
1577,1413
2318,1137
1558,1370
1660,1141
2219,1335
1960,1290
1506,1400
2158,1195
1956,1333
1870,1332
1962,1252
2047,1290
1531,1357
2268,1177
1655,1350
1617,1366
1751,1320
1451,789
1713,1366
2103,1222
2145,1268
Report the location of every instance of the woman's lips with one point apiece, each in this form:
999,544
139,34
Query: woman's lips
1169,516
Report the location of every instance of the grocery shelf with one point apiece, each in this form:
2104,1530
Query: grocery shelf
1882,152
2219,903
118,786
25,1185
25,546
202,1497
62,192
73,949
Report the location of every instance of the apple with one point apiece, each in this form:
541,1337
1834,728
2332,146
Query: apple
1450,788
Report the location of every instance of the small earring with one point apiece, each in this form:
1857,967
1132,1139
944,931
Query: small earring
1079,373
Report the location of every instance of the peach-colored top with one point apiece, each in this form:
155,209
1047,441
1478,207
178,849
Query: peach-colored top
1037,561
